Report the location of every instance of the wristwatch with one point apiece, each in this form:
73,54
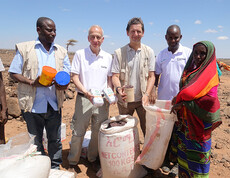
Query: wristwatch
146,94
117,90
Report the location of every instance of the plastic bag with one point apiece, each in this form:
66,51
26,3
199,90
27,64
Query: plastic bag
159,126
17,145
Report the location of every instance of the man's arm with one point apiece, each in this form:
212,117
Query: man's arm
4,114
148,97
117,85
20,78
153,93
81,88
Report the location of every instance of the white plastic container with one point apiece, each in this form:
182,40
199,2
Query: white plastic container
119,148
110,96
159,126
97,99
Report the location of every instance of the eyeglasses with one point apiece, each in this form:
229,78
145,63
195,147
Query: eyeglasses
92,37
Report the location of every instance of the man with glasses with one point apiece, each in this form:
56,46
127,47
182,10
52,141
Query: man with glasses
91,69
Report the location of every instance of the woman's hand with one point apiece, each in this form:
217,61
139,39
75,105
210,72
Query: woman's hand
176,108
174,100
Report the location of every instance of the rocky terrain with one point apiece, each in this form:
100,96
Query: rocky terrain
220,158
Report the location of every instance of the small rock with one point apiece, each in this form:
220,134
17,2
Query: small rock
69,94
213,155
227,158
223,160
10,117
218,146
228,101
13,107
226,164
227,131
227,112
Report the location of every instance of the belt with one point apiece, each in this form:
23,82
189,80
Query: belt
81,94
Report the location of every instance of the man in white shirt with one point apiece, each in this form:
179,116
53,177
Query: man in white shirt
91,69
3,106
170,64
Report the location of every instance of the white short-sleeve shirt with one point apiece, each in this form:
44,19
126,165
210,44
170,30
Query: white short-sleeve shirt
1,66
92,70
170,66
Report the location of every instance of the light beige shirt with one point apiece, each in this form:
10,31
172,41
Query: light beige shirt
133,58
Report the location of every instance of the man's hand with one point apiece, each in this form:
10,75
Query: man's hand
145,100
36,83
152,96
89,96
60,87
121,92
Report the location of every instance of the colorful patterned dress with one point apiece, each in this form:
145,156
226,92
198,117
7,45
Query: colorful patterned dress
198,116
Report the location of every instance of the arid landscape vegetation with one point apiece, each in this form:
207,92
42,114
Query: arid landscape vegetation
220,157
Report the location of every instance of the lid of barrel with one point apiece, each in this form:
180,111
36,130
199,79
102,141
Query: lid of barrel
62,78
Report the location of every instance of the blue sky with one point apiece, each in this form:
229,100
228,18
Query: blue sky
198,19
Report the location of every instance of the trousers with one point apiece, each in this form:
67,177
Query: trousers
131,107
51,121
86,112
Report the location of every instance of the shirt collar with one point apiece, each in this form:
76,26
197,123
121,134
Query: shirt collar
178,50
131,49
38,42
92,54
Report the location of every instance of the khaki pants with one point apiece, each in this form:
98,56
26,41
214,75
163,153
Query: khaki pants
131,107
84,112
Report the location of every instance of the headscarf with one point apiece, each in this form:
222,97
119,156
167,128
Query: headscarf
198,92
198,83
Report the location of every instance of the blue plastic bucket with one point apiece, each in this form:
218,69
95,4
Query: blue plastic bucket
62,78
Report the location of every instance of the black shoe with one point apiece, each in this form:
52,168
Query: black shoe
96,165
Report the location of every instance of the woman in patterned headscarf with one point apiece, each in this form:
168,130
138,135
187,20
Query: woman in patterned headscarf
198,109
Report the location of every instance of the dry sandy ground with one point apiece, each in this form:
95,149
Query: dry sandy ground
220,161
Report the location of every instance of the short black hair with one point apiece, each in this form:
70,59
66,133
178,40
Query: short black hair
173,27
41,21
135,20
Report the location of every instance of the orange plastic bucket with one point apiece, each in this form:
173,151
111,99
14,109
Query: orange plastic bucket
48,73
